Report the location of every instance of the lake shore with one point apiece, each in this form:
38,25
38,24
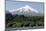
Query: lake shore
24,28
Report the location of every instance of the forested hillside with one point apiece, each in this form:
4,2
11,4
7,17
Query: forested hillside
21,20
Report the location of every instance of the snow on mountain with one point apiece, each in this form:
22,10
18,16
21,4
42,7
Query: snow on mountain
26,10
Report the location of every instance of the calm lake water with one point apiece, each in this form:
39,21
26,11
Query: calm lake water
24,28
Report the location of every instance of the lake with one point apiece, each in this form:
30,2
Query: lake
24,28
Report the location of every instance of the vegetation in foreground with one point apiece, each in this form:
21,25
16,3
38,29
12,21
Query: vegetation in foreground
23,21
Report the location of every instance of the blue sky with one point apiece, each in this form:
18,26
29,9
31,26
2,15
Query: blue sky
14,4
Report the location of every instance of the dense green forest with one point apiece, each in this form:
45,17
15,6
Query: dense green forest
23,21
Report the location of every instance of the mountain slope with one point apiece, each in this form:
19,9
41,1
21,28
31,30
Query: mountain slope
26,10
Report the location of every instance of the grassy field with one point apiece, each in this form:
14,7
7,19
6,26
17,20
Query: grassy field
24,24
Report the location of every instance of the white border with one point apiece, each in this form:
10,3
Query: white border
2,16
45,14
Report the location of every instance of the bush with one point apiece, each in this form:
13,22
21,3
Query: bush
18,24
26,24
22,25
10,25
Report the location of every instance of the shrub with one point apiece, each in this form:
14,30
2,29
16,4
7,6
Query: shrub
10,25
26,24
18,24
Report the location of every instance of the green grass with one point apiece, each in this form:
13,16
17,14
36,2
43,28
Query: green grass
23,24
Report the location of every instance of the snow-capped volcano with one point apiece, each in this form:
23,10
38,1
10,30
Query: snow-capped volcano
26,10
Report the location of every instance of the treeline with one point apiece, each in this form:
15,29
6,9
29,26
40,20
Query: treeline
17,20
10,17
